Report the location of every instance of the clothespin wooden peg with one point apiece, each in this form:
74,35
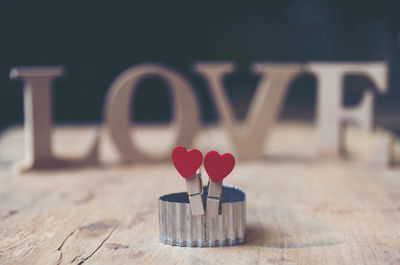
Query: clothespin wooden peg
188,165
217,167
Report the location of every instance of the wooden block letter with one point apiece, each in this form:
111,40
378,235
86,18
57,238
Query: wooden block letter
37,109
331,114
117,109
249,138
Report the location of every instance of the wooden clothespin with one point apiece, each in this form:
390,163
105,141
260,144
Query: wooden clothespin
188,164
217,167
194,186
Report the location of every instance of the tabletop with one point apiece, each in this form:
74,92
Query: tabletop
301,209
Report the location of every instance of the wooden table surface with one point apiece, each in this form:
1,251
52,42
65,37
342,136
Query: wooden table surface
300,209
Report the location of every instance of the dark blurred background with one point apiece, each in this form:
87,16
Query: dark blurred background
96,41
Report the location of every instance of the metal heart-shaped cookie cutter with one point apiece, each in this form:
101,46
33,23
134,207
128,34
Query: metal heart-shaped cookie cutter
179,228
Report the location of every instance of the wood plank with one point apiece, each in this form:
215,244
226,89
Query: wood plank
300,209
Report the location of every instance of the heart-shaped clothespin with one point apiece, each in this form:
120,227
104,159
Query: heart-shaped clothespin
188,164
217,167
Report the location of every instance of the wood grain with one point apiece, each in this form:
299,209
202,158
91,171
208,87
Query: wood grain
300,209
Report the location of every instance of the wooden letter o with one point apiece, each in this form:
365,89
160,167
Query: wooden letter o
117,110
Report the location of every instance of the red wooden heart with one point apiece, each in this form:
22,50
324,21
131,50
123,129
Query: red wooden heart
218,166
186,162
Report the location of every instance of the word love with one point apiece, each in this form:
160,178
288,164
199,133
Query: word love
247,138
